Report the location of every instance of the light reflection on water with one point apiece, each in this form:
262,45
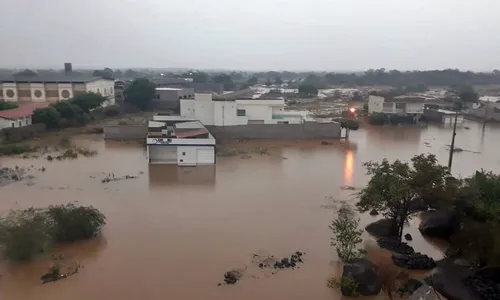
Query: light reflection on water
173,229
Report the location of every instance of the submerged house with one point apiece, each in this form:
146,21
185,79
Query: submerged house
401,105
179,140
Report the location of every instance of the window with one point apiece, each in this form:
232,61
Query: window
105,92
20,123
37,93
241,112
65,94
111,90
183,153
400,105
10,93
98,91
12,124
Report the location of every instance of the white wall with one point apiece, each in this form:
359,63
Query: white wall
188,108
375,104
20,122
204,108
6,86
104,87
415,108
65,87
225,114
35,89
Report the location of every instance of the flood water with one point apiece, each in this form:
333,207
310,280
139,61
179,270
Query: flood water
173,232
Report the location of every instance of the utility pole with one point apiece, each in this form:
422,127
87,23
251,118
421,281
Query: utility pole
452,146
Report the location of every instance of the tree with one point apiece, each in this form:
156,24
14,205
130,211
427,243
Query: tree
104,73
252,81
346,235
26,72
226,80
73,223
67,110
356,96
48,116
308,90
277,80
268,82
468,95
393,187
140,93
88,101
197,76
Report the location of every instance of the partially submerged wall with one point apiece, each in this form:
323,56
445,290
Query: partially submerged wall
125,132
308,130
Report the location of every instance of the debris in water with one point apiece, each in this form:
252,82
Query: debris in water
347,187
54,273
111,177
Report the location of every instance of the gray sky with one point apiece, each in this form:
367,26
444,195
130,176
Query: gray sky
252,35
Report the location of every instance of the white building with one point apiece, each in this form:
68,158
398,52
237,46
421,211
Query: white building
19,117
444,116
403,105
59,87
243,111
179,140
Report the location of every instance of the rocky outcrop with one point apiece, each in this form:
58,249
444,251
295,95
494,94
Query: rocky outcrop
395,245
448,279
381,228
439,224
364,273
416,261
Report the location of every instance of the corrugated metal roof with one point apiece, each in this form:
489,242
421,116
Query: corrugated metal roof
51,78
190,133
22,111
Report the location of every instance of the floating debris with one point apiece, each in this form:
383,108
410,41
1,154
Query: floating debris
111,177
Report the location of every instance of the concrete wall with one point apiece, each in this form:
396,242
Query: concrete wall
277,131
125,132
375,104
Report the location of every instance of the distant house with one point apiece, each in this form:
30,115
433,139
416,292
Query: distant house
401,105
19,117
443,116
489,111
169,97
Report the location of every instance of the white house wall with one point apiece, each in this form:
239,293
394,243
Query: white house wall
188,108
257,112
103,87
19,122
204,111
8,86
225,114
415,108
38,89
375,104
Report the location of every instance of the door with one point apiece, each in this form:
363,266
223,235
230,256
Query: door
162,154
205,156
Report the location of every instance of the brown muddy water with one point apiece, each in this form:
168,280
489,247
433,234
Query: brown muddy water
173,232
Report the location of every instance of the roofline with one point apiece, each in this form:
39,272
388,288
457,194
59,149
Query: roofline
54,81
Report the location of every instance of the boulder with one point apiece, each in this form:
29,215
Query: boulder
448,279
373,212
381,228
491,273
439,224
408,237
411,286
364,273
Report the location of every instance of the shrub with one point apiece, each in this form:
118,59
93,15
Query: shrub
74,223
24,234
16,149
346,235
48,116
346,283
7,105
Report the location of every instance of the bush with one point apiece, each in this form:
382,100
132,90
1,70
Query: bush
74,223
16,149
88,101
7,105
24,234
112,111
48,116
345,283
346,235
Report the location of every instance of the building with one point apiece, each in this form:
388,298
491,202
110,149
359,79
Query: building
401,105
54,87
169,97
119,91
179,140
443,116
488,111
19,117
182,83
212,111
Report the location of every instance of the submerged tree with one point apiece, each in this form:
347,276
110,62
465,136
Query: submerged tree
140,93
346,235
394,186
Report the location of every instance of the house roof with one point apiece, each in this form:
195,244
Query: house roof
22,111
62,78
191,133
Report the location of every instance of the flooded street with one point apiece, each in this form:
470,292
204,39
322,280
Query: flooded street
173,232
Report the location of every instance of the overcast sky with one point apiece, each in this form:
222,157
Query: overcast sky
252,34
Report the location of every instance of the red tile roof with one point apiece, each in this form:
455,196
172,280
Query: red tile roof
190,133
24,110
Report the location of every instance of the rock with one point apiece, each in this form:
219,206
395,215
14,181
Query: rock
491,273
416,261
484,287
418,204
408,237
412,285
448,279
439,224
373,212
364,273
395,245
232,276
381,228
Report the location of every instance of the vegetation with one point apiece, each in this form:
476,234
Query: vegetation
346,235
308,90
345,283
197,76
7,105
226,81
140,93
88,101
13,149
393,187
26,233
48,116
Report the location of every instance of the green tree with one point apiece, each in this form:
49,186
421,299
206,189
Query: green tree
252,81
197,76
7,105
268,82
468,95
73,223
346,235
277,80
393,187
88,101
140,93
67,110
308,90
26,72
226,80
48,116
